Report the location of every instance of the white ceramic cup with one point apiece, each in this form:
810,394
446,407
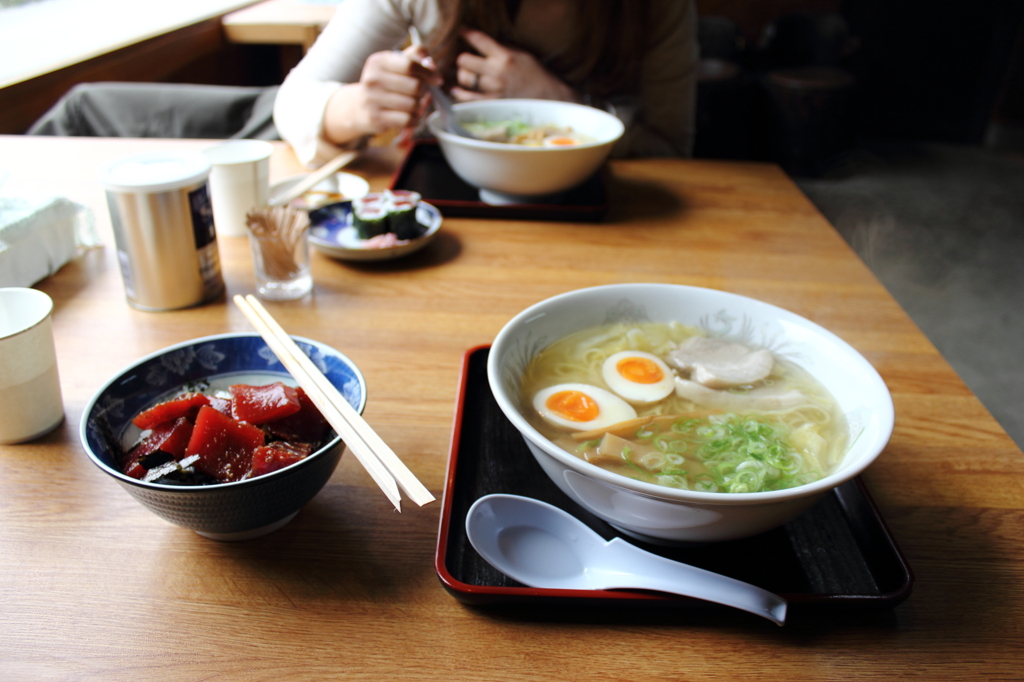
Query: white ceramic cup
30,399
239,182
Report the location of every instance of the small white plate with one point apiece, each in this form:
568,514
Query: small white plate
336,237
348,185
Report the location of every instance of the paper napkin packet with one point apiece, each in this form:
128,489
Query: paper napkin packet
38,235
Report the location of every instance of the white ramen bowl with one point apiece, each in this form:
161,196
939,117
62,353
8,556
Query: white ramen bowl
662,514
511,173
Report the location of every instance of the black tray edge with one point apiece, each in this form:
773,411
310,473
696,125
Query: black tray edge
498,596
477,209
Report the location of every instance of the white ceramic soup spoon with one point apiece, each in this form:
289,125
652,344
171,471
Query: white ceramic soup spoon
543,546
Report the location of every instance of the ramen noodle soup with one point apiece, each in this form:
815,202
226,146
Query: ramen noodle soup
520,133
667,404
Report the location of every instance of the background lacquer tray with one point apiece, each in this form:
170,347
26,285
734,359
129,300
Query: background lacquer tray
425,170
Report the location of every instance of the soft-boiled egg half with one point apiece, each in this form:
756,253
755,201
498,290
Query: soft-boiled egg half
560,141
581,407
638,377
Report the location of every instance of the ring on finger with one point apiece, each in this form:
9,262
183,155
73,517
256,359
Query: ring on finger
476,82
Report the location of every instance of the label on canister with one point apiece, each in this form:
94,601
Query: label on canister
163,226
206,240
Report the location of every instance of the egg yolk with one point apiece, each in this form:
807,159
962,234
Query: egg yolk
639,370
561,141
573,405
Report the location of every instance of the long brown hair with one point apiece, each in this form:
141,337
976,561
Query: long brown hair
603,59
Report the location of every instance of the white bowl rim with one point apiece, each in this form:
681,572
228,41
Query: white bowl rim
213,487
886,413
435,128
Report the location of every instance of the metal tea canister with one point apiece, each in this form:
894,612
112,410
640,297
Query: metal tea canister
163,225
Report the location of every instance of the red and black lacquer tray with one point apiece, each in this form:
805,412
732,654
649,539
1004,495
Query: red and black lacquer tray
425,170
837,555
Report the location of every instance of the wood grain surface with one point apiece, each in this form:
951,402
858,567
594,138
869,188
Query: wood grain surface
278,22
94,587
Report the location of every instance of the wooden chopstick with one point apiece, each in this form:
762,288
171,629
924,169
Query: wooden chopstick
288,354
314,178
406,480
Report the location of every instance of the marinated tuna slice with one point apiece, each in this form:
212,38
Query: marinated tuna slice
186,405
224,446
135,470
305,426
222,405
719,364
262,404
169,438
276,456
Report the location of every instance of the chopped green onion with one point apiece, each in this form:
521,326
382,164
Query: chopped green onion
684,425
668,445
647,431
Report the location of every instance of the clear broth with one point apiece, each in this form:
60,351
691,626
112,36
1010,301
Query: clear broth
695,448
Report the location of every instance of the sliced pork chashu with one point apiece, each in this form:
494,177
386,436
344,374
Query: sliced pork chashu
761,399
720,364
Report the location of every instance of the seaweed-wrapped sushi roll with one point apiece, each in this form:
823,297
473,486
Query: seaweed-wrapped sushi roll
388,211
369,219
402,220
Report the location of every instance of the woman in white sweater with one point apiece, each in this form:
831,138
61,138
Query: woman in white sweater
636,58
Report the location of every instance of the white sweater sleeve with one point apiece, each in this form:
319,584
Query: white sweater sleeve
359,28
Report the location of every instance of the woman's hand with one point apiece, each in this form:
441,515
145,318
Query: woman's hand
500,71
386,97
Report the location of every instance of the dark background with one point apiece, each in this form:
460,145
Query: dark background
937,70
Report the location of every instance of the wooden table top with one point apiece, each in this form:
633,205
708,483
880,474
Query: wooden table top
94,587
278,22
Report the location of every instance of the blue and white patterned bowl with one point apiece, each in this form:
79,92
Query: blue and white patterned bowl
225,511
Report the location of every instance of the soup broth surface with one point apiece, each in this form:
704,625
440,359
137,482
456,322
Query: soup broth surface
519,132
778,432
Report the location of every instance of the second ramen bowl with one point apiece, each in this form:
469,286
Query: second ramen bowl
511,173
658,513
